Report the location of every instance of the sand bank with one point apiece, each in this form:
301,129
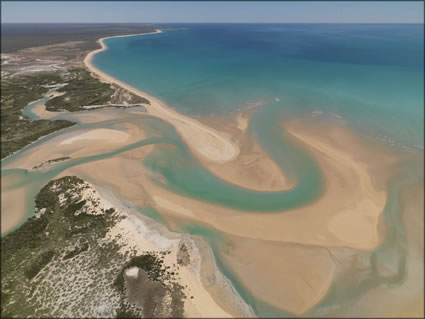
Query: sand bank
80,142
349,192
99,135
204,141
13,206
253,168
307,231
296,279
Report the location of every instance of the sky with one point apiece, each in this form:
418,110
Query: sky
210,11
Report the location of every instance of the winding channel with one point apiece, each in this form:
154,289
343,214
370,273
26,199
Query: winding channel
184,174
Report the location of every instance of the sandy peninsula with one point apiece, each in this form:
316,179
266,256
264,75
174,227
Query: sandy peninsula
204,141
352,202
355,173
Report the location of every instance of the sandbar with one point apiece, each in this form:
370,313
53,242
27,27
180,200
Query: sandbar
204,141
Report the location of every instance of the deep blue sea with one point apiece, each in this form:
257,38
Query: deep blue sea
370,75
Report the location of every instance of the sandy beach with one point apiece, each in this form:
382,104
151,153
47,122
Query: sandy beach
135,232
355,172
350,192
204,141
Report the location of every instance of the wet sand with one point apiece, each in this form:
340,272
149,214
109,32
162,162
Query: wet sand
356,173
253,168
80,143
295,279
135,232
349,193
13,206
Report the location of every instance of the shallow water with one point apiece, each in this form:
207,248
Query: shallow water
372,75
360,73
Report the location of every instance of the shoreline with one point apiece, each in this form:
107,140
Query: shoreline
141,232
203,140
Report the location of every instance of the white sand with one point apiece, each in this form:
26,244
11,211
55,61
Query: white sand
132,272
133,233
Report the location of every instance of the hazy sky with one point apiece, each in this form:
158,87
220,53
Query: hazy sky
119,11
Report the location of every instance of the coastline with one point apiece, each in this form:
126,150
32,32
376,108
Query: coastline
352,201
203,140
137,232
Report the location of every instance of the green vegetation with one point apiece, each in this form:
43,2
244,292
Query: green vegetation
155,288
17,36
39,263
83,89
47,249
149,262
62,262
183,256
79,249
17,131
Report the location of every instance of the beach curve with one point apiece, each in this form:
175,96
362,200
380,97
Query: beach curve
203,140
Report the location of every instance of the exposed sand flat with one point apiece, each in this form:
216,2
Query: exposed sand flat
204,141
349,191
100,135
242,122
295,279
253,168
13,207
83,117
79,143
166,204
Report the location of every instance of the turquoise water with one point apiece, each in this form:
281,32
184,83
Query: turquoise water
371,75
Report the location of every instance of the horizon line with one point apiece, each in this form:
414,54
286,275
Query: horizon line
222,22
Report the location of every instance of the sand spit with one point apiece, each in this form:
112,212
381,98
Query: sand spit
80,142
253,169
351,203
291,235
355,175
204,141
349,192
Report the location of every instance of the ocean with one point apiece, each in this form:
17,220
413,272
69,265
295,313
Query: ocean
367,76
370,75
